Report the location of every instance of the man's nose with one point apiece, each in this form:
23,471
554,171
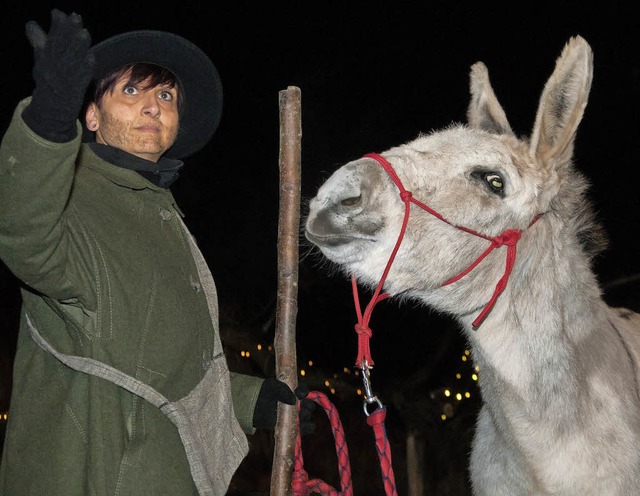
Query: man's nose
150,104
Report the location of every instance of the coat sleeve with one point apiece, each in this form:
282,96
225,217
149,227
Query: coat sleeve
36,179
244,391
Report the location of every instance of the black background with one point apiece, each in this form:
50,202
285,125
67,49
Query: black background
371,75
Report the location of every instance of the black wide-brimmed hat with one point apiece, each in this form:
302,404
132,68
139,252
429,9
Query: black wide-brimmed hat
196,74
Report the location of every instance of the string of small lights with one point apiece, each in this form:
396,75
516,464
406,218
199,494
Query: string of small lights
463,386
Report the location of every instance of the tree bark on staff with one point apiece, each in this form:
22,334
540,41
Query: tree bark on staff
287,300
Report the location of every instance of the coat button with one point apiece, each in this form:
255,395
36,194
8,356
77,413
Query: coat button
165,214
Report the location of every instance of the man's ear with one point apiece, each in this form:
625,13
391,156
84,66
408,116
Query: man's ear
91,117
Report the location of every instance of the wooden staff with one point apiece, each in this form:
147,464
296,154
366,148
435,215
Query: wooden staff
286,307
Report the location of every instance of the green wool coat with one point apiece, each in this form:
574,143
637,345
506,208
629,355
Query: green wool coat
107,274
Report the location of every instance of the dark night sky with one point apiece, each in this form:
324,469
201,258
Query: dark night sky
372,75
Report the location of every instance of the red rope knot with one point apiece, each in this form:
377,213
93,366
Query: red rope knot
509,238
364,349
363,330
406,196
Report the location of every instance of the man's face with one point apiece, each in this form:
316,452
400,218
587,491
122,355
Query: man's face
143,122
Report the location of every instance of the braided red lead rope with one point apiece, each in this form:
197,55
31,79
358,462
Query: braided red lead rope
376,420
301,484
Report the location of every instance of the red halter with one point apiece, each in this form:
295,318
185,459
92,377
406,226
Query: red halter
508,238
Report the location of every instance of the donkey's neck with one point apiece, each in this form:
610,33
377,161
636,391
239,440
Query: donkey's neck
531,342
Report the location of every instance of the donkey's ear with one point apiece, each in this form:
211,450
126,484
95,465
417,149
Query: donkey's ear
562,105
485,112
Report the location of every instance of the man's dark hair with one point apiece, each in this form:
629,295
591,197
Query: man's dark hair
152,75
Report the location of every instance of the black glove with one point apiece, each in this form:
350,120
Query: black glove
274,391
266,411
62,71
307,409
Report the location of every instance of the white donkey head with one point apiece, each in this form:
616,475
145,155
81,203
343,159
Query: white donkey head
470,186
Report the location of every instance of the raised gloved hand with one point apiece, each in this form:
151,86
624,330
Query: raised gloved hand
274,391
62,70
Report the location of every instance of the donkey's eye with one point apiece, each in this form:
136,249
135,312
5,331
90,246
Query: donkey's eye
491,180
494,181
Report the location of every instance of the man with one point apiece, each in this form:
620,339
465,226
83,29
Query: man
120,382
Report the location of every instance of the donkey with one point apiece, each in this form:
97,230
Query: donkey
438,220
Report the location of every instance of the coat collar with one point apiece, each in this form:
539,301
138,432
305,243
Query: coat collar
162,173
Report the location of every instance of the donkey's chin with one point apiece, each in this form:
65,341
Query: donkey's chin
344,251
328,240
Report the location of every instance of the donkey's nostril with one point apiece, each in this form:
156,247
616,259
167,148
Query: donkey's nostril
350,202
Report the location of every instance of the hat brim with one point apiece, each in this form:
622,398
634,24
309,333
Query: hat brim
196,74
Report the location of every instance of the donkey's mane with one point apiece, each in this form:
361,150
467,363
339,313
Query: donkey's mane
574,205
